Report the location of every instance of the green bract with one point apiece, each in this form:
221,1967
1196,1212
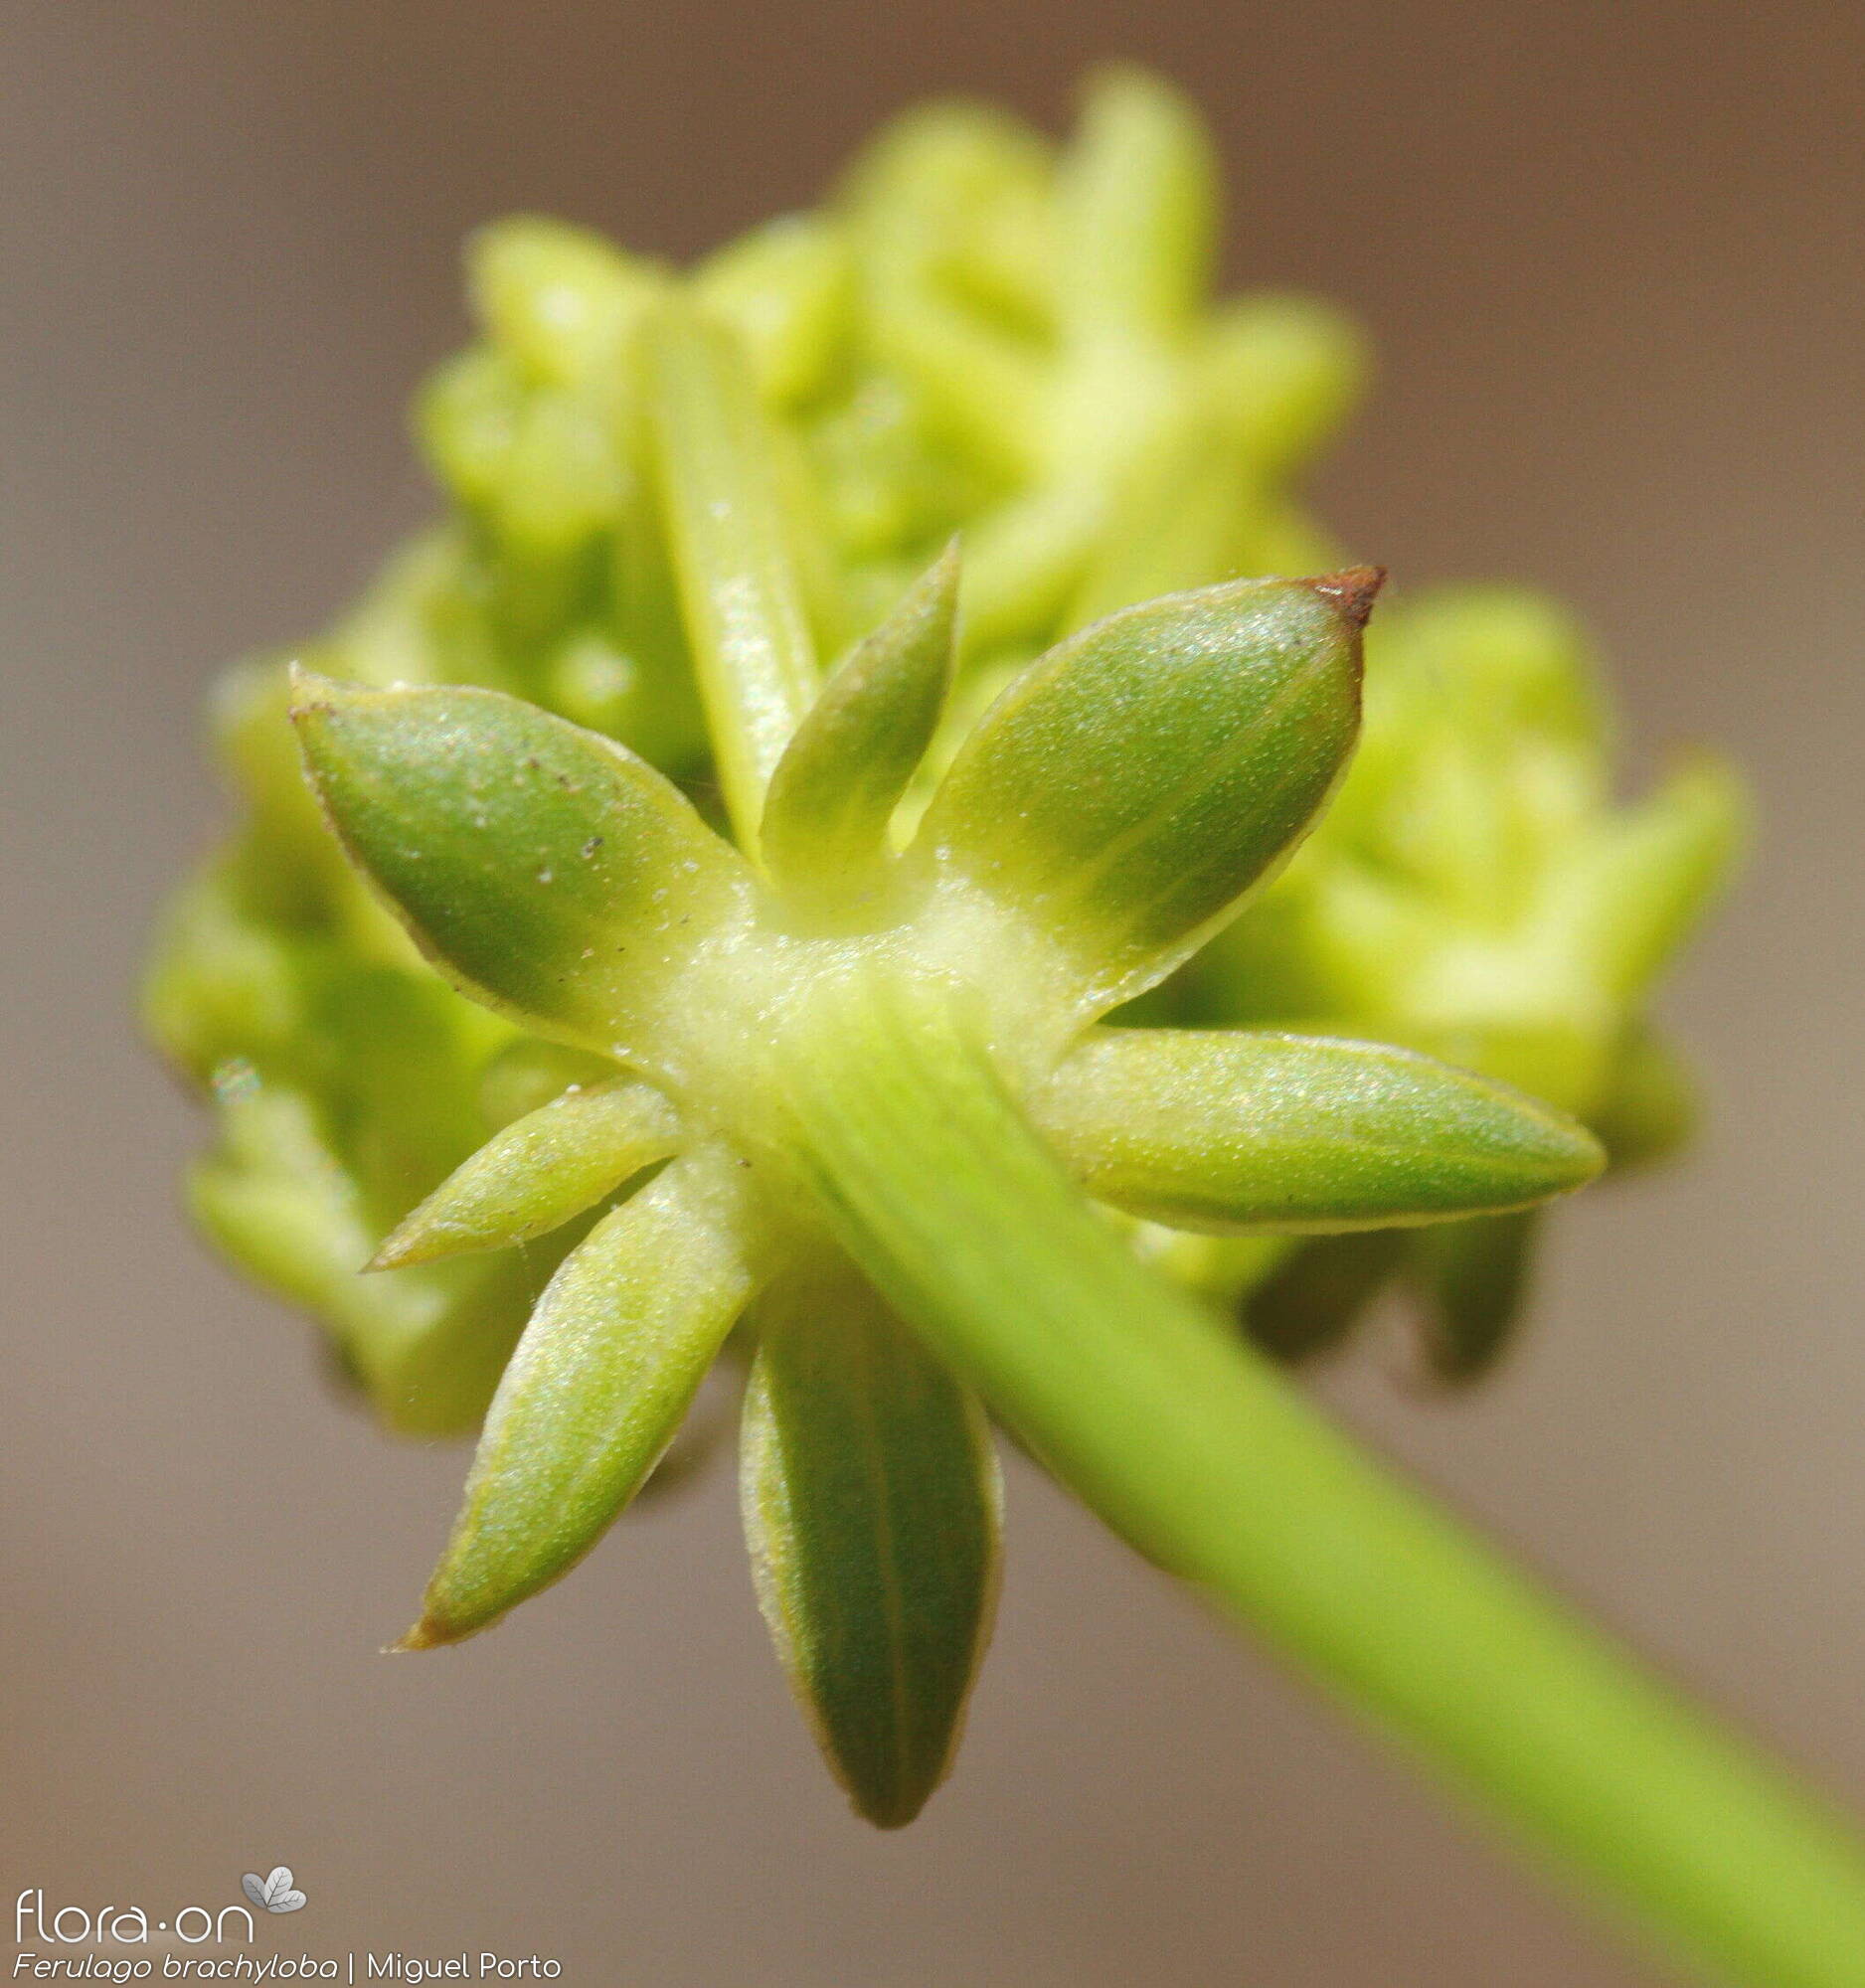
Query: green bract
1222,1131
872,1506
875,626
843,774
573,881
1130,786
531,1178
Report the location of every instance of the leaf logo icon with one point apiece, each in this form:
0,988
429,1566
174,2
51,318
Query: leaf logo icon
273,1893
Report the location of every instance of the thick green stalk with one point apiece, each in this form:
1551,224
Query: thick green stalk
1206,1459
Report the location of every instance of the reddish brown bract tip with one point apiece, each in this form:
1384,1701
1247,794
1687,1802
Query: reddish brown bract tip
1352,590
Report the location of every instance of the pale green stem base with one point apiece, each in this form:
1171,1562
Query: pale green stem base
1201,1454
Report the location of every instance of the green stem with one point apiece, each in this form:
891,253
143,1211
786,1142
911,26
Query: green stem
1206,1460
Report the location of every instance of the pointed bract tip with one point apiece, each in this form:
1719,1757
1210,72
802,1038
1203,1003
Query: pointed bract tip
1352,590
1580,1160
937,586
427,1634
308,692
399,1248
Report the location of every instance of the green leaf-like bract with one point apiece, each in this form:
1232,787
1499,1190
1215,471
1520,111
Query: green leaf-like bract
600,1380
535,1174
835,789
870,1505
1223,1130
1129,788
545,870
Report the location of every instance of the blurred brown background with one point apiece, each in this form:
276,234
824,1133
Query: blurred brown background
1611,259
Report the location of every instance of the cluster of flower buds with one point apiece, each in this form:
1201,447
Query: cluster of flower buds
690,743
